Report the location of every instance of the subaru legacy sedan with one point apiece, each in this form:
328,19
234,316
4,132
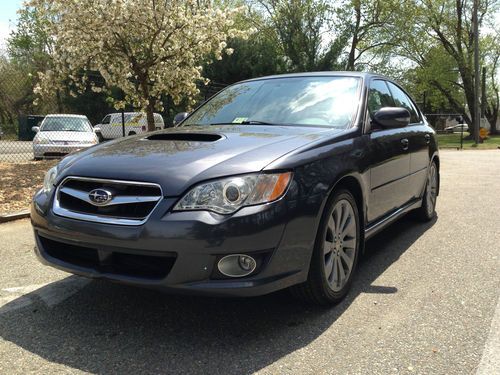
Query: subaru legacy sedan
273,183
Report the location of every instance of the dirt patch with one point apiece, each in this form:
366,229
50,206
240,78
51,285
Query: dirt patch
19,182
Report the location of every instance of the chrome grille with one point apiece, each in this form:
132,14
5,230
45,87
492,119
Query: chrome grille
129,203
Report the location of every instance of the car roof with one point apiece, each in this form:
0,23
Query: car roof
364,75
65,115
131,113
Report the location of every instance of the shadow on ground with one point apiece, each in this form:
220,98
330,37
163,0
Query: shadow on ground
106,328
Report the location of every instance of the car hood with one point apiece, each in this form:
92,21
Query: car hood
58,136
181,157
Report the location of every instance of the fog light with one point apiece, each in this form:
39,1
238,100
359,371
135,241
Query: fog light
237,265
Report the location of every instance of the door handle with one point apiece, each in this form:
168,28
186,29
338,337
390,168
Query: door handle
427,138
405,143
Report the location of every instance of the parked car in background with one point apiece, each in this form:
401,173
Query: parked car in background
272,183
135,123
59,135
457,128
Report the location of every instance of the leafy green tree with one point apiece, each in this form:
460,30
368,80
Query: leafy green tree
303,32
30,43
491,97
363,21
255,57
29,49
446,26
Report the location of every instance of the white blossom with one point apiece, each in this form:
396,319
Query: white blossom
144,47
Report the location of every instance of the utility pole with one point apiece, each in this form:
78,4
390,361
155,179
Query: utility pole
477,115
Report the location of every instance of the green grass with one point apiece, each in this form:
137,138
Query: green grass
453,141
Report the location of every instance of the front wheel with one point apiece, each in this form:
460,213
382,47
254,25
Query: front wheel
335,253
427,211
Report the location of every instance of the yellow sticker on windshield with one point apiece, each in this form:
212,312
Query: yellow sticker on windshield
239,120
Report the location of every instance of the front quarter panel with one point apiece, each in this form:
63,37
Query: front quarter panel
317,170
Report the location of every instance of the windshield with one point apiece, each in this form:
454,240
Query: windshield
320,101
66,124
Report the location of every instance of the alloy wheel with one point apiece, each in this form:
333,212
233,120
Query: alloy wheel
339,247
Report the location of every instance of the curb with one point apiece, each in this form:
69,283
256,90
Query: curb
15,216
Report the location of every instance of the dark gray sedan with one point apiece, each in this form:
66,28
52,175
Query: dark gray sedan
275,182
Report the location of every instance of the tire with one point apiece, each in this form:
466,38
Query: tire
322,286
100,138
427,211
131,133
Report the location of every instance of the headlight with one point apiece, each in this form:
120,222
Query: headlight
91,141
227,195
48,181
41,141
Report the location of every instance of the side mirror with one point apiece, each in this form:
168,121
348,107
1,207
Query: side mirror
392,117
36,129
180,117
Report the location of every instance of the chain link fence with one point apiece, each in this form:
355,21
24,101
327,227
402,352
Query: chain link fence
450,127
61,125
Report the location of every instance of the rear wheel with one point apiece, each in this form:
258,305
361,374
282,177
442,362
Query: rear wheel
427,211
335,252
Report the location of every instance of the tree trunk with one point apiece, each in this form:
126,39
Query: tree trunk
355,38
143,82
491,113
59,101
150,115
468,83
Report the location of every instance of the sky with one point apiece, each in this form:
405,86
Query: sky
8,16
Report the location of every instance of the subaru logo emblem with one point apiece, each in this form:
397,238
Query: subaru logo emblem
100,197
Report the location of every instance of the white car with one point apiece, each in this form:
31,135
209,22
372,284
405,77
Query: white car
457,128
135,123
59,135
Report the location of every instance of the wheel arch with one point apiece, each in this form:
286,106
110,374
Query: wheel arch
354,185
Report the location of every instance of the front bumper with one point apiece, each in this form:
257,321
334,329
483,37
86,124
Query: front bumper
187,245
54,150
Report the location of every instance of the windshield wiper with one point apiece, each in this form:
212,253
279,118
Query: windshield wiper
256,122
246,122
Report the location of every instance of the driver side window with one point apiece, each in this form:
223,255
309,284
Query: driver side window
106,119
379,96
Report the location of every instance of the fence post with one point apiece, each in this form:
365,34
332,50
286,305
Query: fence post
123,122
461,137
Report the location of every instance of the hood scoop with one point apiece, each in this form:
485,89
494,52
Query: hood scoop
189,137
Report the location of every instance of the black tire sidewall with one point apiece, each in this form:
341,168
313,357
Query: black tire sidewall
423,209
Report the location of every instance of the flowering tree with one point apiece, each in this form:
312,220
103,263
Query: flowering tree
145,47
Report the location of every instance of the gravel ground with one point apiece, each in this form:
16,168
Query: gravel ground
16,151
422,303
19,182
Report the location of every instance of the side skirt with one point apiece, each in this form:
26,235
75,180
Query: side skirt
377,226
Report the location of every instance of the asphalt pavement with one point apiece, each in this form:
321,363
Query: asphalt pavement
425,301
